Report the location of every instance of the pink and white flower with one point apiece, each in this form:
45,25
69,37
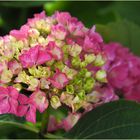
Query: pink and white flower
59,80
34,56
8,100
58,31
54,50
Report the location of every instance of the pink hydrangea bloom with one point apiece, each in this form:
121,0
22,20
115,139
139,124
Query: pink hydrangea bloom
123,70
62,17
8,100
34,56
20,34
59,31
54,50
59,79
92,41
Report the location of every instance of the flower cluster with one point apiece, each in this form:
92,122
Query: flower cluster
51,61
54,61
123,71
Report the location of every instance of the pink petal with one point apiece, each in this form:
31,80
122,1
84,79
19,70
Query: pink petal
62,17
22,110
20,34
13,92
39,99
4,106
14,66
55,51
70,121
31,114
23,99
13,106
3,91
40,15
29,58
59,32
43,56
59,80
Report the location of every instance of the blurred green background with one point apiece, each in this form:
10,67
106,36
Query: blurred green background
116,21
14,14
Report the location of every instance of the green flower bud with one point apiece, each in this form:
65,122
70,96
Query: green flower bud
99,61
23,77
77,83
70,89
81,94
101,76
89,84
65,49
88,74
82,72
55,102
76,61
89,58
83,64
59,65
40,72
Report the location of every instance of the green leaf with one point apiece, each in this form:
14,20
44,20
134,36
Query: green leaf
125,10
124,32
9,124
119,119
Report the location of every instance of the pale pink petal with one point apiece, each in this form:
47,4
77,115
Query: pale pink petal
54,50
70,121
59,80
59,32
14,66
39,99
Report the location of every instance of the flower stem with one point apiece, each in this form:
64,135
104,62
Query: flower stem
45,120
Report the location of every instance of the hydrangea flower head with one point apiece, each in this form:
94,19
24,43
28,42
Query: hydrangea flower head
54,61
